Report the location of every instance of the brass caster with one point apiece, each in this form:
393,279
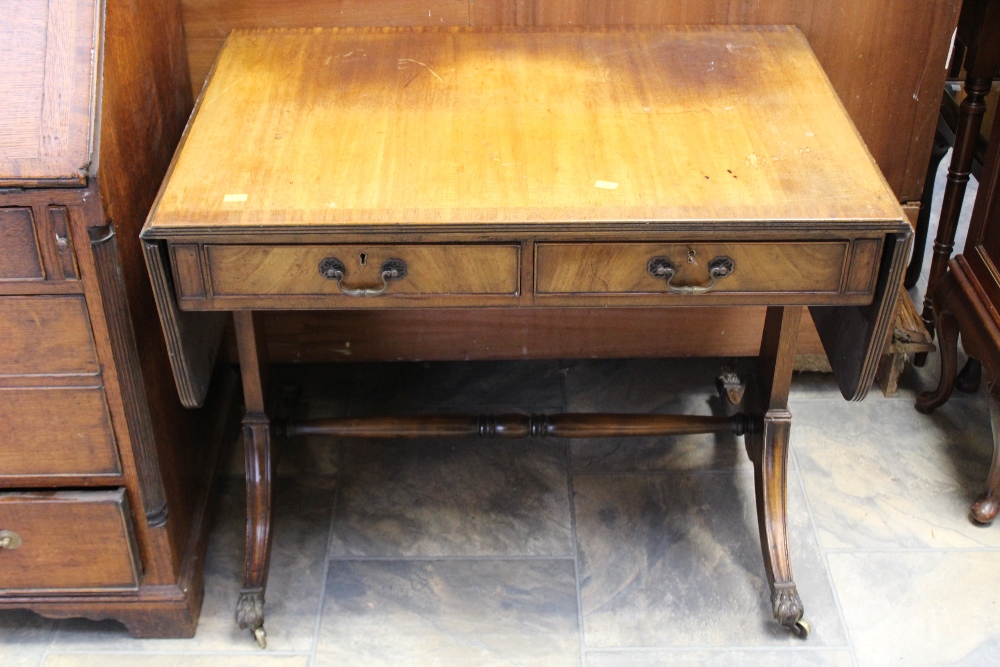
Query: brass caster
260,636
801,629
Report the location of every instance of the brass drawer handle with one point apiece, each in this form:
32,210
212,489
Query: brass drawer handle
662,267
9,540
333,269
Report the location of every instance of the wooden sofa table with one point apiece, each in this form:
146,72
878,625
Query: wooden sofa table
408,168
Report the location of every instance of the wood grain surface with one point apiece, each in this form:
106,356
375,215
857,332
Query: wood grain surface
46,335
71,540
430,269
448,334
55,431
70,416
892,93
610,268
46,119
21,259
304,129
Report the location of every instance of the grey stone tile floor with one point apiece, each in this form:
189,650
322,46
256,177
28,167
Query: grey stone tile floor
600,553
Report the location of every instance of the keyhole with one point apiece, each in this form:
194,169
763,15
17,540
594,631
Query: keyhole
691,259
364,258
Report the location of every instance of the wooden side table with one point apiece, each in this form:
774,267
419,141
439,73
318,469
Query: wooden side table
979,36
966,301
351,170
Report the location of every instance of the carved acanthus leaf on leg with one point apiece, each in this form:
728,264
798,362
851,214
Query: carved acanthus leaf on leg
250,610
786,604
250,614
788,610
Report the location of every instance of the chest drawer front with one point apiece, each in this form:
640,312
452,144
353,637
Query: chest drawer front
20,258
624,268
447,269
46,335
56,431
67,541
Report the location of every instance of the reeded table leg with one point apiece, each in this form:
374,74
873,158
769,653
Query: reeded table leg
259,459
767,445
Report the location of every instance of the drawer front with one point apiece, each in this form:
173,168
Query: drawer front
623,268
36,249
67,541
46,335
20,258
56,431
295,270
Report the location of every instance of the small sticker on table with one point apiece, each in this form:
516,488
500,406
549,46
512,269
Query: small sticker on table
234,199
606,185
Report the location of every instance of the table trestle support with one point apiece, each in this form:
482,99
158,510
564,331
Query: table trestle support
566,425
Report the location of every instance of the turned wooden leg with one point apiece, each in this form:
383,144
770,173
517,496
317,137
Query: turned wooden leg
259,461
985,507
767,446
947,331
969,122
938,151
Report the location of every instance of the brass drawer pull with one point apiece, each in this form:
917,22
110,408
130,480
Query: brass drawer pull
333,269
662,267
9,539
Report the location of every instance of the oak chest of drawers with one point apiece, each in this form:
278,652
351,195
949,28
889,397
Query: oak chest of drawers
104,479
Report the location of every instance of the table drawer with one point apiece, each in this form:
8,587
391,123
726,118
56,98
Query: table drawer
56,431
296,270
46,335
624,268
66,541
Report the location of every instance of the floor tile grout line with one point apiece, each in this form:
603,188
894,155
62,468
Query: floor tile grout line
576,557
48,645
321,604
912,550
570,473
448,558
337,501
826,563
574,544
564,370
716,649
741,469
185,653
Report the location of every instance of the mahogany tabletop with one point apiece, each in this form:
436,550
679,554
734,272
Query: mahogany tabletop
448,127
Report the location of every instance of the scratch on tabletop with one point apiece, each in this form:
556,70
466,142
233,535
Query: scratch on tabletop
353,54
402,64
220,93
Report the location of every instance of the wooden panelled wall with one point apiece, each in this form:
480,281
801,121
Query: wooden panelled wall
884,57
